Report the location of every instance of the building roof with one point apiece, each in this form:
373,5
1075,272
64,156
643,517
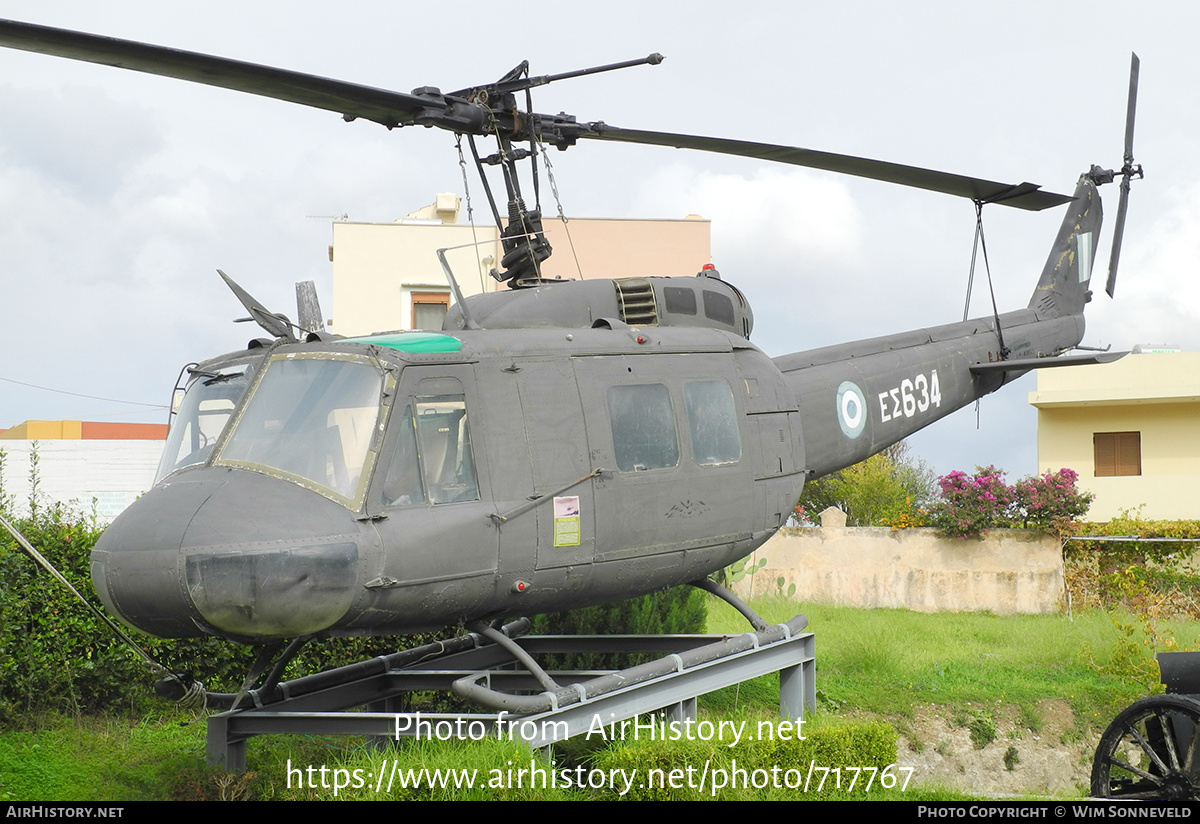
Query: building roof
1172,377
84,430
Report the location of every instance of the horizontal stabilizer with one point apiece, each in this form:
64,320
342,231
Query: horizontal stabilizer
1022,364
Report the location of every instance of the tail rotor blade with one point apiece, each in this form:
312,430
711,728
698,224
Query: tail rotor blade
1118,231
1127,173
1134,67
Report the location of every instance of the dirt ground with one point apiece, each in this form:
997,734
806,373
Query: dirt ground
1056,760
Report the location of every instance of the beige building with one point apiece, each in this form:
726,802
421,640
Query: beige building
387,276
1131,429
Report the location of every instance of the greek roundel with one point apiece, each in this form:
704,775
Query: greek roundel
851,409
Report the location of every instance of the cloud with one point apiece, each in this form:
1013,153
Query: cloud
768,214
74,138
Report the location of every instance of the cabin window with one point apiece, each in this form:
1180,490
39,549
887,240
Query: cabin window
712,419
718,307
402,484
444,444
679,301
1117,453
643,427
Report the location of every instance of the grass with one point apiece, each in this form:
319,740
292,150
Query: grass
96,759
156,759
881,662
954,659
1029,718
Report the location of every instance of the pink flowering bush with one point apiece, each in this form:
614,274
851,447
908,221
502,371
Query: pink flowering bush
970,505
1045,501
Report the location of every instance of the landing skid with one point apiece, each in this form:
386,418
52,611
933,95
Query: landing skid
690,666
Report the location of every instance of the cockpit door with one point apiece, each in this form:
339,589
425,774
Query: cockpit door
433,484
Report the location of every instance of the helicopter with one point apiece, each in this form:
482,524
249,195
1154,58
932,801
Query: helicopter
556,444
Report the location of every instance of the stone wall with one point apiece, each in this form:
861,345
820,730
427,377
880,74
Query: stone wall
1009,571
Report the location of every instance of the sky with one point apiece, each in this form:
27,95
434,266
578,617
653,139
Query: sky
121,194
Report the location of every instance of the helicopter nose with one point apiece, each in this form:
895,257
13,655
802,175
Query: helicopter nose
135,562
230,552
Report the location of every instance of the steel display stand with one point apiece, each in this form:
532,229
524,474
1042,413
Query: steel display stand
384,694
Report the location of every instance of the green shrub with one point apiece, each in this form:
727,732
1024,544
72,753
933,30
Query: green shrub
1134,575
677,610
980,726
760,768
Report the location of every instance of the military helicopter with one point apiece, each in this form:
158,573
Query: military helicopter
555,444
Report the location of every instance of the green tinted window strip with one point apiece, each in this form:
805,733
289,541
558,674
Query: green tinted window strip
413,342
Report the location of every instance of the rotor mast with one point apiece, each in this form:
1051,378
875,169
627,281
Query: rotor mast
521,234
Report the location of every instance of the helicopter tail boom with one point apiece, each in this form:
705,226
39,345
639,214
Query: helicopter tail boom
858,398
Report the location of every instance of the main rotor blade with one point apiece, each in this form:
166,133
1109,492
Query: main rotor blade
448,112
348,99
1022,196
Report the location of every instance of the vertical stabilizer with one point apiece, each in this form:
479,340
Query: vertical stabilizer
1063,287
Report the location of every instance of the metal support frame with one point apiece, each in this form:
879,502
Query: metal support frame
385,695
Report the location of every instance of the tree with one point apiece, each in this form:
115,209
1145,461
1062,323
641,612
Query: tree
874,492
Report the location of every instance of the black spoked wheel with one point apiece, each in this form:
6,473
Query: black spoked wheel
1151,750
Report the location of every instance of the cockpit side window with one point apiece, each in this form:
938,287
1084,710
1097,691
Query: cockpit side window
206,406
402,483
643,427
444,444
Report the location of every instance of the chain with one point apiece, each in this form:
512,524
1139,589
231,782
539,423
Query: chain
558,203
462,164
550,177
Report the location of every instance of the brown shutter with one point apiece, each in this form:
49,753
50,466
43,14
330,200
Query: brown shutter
1117,453
1129,453
1105,444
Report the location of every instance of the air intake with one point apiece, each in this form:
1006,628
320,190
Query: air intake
635,296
